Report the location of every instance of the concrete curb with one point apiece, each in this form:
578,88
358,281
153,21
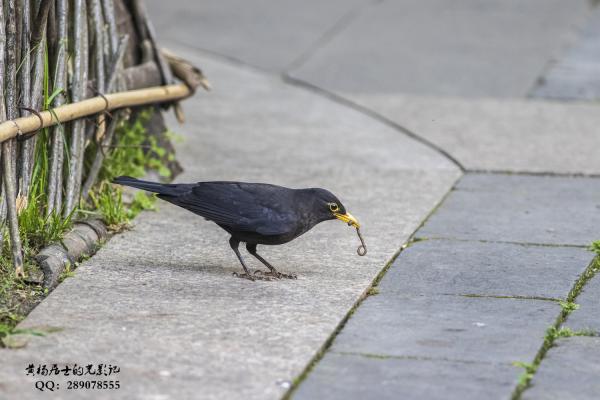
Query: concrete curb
82,241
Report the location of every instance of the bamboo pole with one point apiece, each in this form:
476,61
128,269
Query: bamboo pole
108,8
60,82
108,134
2,116
97,34
9,147
69,112
98,39
115,52
11,90
78,89
38,47
25,152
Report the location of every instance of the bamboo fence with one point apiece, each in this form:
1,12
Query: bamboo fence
62,61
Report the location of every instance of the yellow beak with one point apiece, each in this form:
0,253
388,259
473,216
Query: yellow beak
348,218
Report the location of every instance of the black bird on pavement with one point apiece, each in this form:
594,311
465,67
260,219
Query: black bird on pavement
254,213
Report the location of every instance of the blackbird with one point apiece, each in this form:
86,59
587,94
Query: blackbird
253,213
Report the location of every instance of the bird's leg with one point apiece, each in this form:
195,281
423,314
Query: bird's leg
272,271
234,243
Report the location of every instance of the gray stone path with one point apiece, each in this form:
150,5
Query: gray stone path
391,378
513,135
587,316
271,34
569,371
474,49
477,301
487,269
576,74
524,209
334,89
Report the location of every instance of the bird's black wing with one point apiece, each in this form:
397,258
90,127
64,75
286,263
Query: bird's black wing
251,207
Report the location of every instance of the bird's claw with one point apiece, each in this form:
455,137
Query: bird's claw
251,277
275,274
245,276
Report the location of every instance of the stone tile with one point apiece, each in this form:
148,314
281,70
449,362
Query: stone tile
570,370
493,269
499,134
576,75
267,33
340,376
448,327
160,301
429,47
587,317
517,208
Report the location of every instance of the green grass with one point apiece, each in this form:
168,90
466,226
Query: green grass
108,201
14,338
554,333
133,154
38,229
527,374
67,273
595,247
568,306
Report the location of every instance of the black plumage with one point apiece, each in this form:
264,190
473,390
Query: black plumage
253,213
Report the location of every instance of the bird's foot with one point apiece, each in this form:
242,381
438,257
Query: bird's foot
252,277
274,274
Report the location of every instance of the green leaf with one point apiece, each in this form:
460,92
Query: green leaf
164,171
56,92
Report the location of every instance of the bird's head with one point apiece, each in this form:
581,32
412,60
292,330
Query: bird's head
330,207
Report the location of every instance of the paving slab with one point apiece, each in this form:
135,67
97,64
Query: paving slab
470,48
486,269
342,376
448,327
160,301
576,74
587,317
499,134
519,208
570,370
270,34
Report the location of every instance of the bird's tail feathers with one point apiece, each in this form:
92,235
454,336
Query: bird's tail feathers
154,187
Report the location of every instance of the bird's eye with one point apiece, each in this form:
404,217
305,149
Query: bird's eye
334,207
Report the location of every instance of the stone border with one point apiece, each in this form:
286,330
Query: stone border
83,240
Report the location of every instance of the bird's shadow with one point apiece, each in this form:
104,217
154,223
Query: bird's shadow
199,267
